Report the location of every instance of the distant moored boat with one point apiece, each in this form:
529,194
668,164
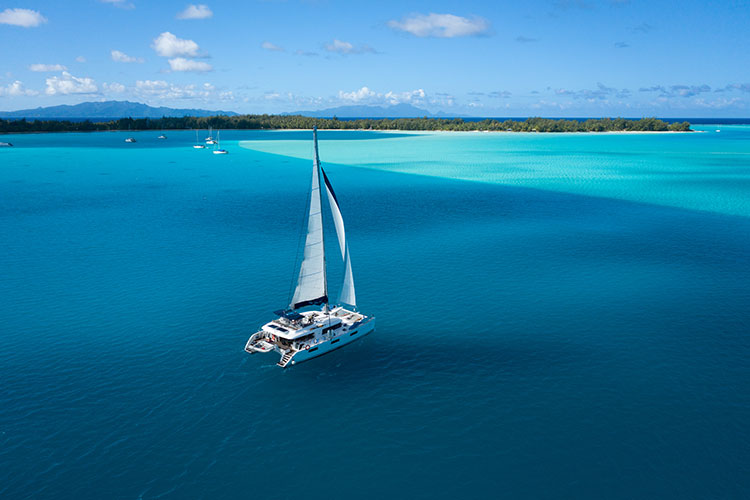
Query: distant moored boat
218,150
197,144
210,139
130,139
6,145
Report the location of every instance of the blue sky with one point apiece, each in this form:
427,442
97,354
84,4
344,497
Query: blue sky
493,58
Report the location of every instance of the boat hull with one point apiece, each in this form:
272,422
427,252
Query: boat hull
333,344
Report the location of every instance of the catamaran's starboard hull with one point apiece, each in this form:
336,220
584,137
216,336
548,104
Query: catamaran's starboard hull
333,344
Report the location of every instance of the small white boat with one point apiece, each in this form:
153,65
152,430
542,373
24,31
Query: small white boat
210,138
197,144
130,139
218,150
300,333
6,145
162,136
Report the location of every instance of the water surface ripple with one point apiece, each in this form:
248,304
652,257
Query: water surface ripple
558,317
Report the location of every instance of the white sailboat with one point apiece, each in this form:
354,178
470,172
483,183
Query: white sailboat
210,138
218,150
197,144
301,333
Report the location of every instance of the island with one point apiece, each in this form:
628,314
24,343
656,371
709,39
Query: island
286,122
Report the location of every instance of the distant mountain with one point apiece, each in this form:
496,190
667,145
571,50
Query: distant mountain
395,111
108,110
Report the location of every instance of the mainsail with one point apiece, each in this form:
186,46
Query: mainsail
347,295
311,284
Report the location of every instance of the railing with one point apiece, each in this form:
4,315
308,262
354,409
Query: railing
255,339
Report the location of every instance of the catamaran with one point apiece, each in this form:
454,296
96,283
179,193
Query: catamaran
303,332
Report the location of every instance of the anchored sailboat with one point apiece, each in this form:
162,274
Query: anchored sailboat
299,335
210,139
218,150
197,144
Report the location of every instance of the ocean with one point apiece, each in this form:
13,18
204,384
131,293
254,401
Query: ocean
558,316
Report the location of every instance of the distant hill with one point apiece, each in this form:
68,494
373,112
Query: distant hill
108,110
395,111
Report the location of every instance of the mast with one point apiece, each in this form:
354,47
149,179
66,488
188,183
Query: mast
312,287
316,162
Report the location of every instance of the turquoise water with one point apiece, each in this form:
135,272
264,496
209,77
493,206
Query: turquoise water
559,316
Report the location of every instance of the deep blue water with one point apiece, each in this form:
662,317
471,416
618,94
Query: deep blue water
572,324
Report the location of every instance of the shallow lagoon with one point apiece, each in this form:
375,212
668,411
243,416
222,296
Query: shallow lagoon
558,316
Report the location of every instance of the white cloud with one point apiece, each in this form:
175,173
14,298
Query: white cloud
161,89
357,95
124,58
80,59
69,84
151,86
121,4
114,87
195,12
25,18
441,25
409,96
342,47
500,94
40,68
442,99
720,103
168,45
17,89
270,46
600,93
182,64
369,96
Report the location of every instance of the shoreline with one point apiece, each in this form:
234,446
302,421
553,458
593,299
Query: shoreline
385,131
294,122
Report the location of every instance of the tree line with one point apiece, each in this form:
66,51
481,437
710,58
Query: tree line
280,122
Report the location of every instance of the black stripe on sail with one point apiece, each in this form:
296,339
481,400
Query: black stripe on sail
330,188
311,302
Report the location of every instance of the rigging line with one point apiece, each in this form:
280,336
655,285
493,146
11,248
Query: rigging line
323,238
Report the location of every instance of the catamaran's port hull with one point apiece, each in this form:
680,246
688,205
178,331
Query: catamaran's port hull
333,344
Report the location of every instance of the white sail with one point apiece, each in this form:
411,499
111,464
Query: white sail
311,284
347,295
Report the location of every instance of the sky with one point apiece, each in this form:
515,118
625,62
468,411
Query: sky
556,58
